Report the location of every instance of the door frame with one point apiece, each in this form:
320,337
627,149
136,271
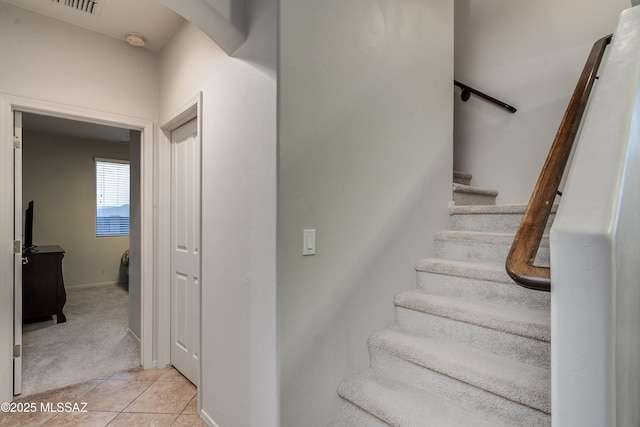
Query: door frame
18,226
9,104
191,109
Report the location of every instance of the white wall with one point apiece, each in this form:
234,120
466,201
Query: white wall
365,158
62,64
595,274
59,176
238,385
530,55
57,62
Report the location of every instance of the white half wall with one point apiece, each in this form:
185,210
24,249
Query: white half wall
238,338
530,55
595,274
365,158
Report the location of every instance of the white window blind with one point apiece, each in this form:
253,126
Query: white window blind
112,197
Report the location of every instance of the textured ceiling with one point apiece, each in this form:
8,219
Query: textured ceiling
114,18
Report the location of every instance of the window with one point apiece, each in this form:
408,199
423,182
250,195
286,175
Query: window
112,198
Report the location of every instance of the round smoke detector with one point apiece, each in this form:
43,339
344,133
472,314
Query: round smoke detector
135,39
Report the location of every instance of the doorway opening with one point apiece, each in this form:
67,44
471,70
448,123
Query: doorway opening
12,209
100,268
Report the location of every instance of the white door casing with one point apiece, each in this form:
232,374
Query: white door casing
185,249
9,212
17,236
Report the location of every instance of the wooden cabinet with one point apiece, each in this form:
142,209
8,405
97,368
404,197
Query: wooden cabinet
43,293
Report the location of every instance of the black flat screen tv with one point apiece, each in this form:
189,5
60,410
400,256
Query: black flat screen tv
28,227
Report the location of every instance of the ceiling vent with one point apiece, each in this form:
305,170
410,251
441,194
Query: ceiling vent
88,6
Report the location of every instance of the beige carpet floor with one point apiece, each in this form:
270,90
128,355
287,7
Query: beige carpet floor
93,343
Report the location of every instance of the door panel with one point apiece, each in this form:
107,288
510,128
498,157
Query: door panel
185,249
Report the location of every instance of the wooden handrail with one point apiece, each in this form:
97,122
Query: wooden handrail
523,252
468,90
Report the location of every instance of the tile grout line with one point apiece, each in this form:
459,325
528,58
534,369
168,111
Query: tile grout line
171,376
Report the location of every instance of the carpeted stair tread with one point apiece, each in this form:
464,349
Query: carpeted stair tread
487,209
402,405
351,415
480,236
534,324
471,195
468,342
476,281
516,381
492,209
470,189
477,246
491,218
471,270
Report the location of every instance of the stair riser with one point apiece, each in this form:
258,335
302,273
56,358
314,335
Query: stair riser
351,415
483,251
527,350
490,223
462,178
482,290
494,406
465,199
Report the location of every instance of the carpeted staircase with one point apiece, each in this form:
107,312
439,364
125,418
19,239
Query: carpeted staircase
469,346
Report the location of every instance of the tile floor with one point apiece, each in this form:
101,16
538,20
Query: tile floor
153,397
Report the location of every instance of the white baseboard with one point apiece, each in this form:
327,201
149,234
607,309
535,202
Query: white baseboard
134,335
207,419
92,285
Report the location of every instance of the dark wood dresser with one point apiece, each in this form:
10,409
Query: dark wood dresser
43,293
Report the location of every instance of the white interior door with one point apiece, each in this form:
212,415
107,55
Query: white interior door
17,237
185,249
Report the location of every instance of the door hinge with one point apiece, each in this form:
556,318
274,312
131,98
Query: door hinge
17,247
17,143
17,350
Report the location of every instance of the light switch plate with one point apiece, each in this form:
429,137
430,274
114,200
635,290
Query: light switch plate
308,242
